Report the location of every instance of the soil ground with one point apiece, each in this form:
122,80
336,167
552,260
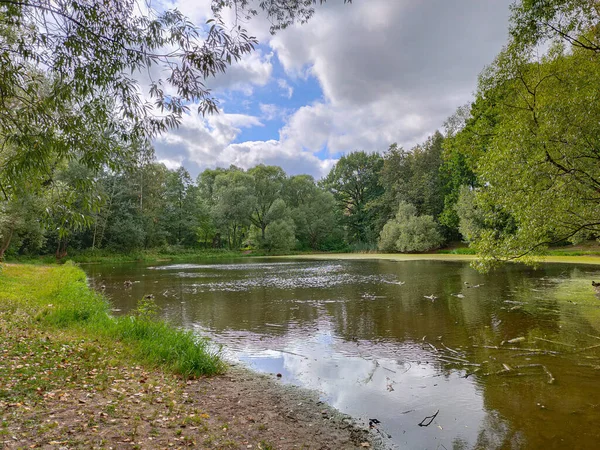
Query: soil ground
128,407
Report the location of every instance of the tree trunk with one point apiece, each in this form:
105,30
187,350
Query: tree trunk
6,243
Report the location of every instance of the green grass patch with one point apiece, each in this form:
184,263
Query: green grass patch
108,256
457,251
58,298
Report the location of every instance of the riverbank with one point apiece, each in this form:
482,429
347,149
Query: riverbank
588,259
72,376
586,253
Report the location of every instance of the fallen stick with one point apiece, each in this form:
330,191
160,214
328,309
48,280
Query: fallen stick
370,377
551,378
456,358
537,350
587,348
451,350
553,342
433,347
593,366
468,374
543,352
504,372
430,418
292,353
452,361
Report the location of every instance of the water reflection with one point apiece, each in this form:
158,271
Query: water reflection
368,336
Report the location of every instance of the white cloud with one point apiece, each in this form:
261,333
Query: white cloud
287,89
390,71
171,164
271,111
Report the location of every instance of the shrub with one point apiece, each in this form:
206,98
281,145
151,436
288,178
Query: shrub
407,232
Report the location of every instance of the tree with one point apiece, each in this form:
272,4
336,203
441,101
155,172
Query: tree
413,176
471,219
280,235
20,221
575,22
233,205
181,207
354,182
456,171
298,189
315,219
81,61
540,166
408,232
267,188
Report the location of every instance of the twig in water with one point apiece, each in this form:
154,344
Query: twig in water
433,347
551,378
451,350
517,349
468,374
370,377
587,348
553,342
292,353
430,418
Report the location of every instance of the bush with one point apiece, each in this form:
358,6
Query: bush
408,232
280,236
389,236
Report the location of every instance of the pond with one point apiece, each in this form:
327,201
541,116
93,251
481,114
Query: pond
507,360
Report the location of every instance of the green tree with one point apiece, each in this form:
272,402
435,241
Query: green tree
316,220
354,182
233,205
67,72
268,184
540,166
280,235
409,232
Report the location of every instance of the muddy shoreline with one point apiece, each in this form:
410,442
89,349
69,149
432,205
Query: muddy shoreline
155,410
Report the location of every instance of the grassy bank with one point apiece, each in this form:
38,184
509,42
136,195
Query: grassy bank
110,257
57,298
149,256
563,258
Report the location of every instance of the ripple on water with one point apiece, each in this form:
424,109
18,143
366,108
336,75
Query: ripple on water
308,282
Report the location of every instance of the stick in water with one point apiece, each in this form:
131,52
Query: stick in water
430,418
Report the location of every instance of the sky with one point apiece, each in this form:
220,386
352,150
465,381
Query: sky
355,77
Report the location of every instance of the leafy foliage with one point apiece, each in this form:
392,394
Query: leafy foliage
407,232
354,182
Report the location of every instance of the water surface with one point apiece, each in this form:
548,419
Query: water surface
509,359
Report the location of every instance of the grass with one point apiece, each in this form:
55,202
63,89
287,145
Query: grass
58,298
110,257
150,255
458,256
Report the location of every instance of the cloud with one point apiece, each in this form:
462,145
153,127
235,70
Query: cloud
271,111
287,89
389,71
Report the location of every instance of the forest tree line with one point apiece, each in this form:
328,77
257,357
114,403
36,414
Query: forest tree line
148,206
516,171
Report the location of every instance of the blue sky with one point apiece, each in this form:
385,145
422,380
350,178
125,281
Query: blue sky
356,77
